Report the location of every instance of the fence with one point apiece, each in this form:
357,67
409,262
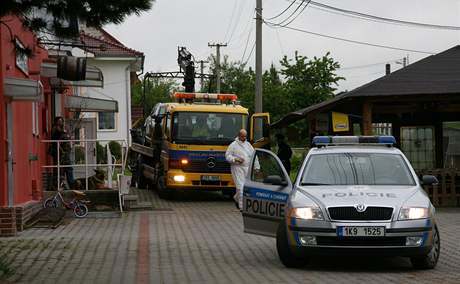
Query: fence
447,191
89,161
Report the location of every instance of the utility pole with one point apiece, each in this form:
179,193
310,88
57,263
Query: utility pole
218,46
202,62
258,96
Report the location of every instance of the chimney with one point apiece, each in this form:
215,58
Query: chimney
387,69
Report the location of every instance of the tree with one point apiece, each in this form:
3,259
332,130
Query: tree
309,82
51,14
156,90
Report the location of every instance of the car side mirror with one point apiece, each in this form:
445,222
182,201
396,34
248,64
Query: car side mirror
275,180
429,180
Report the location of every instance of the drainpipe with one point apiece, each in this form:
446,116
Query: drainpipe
128,94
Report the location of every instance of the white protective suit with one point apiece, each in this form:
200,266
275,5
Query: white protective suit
244,151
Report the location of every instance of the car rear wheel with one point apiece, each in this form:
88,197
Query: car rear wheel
287,257
430,260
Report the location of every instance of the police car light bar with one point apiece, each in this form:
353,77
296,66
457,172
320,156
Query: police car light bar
205,96
350,140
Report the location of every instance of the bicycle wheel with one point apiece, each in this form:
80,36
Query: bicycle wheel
50,203
80,210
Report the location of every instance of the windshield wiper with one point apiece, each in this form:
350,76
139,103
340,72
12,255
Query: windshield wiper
313,183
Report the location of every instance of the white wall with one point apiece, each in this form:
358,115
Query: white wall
116,87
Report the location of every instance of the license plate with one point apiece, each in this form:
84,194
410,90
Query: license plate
210,178
360,231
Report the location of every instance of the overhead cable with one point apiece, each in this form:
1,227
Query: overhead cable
272,25
364,16
282,12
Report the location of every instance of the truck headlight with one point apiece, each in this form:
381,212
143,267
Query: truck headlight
413,213
307,213
179,178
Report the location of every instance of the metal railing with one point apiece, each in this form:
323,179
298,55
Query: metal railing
86,165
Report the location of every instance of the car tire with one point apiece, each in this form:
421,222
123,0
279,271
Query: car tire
287,257
163,191
430,260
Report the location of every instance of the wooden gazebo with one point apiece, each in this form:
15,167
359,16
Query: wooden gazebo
419,105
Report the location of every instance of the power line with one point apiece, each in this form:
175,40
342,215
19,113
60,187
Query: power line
250,54
374,18
282,12
272,25
293,19
366,65
231,18
246,45
240,11
292,14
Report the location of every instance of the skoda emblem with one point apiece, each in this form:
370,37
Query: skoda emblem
360,208
211,162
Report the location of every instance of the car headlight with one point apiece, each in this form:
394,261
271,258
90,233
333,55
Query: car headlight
307,213
413,213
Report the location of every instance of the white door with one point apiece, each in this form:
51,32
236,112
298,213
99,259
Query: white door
83,129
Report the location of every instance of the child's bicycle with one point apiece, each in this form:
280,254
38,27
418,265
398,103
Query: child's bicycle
77,204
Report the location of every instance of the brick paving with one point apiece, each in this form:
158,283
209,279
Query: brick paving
194,239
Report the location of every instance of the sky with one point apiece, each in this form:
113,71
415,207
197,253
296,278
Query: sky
195,23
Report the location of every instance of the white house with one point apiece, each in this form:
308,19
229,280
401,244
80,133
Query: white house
118,64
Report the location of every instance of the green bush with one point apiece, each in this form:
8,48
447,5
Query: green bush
101,154
79,154
115,149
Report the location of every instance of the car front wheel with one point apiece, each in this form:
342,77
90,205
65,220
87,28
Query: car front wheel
287,257
430,260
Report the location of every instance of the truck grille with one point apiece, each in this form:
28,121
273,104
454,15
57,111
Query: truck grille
360,241
203,167
352,214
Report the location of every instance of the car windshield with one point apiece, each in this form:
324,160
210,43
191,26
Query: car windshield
207,128
356,169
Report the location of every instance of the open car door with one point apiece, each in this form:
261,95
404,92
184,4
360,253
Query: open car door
265,195
260,130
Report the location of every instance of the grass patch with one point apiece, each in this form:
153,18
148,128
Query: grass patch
5,269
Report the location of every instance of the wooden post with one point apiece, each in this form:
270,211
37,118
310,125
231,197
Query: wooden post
367,118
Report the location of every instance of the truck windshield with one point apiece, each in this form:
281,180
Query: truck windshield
207,128
356,169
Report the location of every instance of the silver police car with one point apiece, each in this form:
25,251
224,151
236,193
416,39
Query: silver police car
352,195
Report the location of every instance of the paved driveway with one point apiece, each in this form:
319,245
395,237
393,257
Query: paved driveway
197,238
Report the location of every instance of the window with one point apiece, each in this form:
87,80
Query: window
207,128
22,60
265,165
106,121
357,169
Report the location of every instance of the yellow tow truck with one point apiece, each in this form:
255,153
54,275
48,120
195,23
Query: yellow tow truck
184,142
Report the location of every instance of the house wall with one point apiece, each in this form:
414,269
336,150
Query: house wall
117,87
28,152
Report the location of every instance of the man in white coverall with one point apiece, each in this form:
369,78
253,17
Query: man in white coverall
238,155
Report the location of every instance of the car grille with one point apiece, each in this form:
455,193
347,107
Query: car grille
203,167
361,241
351,213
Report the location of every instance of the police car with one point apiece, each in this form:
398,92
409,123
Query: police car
352,195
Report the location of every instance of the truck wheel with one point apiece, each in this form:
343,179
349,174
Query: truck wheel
141,182
228,193
430,260
287,257
163,191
